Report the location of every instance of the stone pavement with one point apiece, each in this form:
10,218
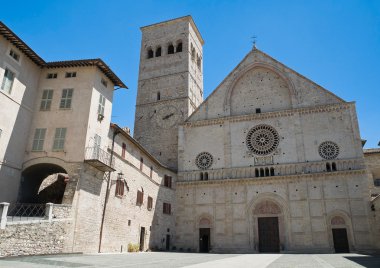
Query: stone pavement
195,260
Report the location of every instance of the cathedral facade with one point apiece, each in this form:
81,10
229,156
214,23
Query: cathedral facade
269,162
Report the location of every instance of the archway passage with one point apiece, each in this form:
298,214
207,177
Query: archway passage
269,237
43,183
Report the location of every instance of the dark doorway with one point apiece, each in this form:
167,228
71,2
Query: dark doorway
340,240
167,242
269,238
204,240
142,238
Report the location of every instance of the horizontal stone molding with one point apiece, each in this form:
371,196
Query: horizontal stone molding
260,116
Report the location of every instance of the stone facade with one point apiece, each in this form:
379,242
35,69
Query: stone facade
268,156
170,85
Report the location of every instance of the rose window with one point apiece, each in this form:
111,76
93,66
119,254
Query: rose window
262,140
328,150
204,160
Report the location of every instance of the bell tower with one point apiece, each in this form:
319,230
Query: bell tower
170,85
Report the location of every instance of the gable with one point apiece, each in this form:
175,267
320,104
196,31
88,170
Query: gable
261,82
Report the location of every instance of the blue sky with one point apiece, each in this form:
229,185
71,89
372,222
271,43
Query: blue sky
334,43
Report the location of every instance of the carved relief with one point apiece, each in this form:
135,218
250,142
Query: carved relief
337,221
204,223
267,207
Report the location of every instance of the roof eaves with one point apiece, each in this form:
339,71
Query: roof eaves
21,45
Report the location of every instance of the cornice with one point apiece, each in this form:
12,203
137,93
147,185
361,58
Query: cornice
273,179
283,113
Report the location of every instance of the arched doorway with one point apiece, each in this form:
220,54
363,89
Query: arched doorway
339,235
204,235
268,220
43,183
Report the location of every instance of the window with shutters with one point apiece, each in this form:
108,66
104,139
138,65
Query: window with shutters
167,208
59,139
140,198
167,181
102,104
47,96
67,96
8,79
150,203
38,140
119,191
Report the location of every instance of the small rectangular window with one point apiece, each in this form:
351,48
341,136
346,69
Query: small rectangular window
151,172
140,198
119,191
104,82
59,139
67,95
167,181
167,208
38,140
129,222
150,203
14,55
47,96
141,163
8,79
71,74
51,75
376,182
102,104
123,148
258,110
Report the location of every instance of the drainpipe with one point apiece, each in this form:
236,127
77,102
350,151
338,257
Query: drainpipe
115,132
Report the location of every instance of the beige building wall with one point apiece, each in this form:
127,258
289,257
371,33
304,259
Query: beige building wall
17,112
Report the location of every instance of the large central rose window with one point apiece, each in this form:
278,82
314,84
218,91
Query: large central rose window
262,140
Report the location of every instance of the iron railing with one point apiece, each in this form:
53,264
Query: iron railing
95,153
25,211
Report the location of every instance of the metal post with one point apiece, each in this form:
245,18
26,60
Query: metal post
3,211
49,211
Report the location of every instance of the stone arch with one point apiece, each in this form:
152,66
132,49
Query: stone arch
340,219
275,71
49,179
268,205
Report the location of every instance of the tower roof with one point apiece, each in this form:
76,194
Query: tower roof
184,18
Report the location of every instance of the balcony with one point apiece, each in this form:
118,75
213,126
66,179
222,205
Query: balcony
99,159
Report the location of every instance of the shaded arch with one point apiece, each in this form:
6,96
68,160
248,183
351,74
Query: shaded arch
240,74
43,183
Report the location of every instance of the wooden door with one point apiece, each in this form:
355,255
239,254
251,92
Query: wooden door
142,238
167,242
340,240
269,238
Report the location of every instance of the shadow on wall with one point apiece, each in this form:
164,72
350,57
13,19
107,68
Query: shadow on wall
163,222
43,183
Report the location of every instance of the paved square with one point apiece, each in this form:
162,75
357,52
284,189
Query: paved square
168,259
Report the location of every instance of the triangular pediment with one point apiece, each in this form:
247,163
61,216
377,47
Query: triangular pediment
260,83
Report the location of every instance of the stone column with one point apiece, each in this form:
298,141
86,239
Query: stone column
3,212
49,211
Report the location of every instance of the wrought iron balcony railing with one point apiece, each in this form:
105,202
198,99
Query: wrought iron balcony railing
99,159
